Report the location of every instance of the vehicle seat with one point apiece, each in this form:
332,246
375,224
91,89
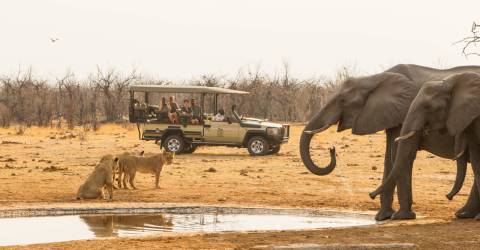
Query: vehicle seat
162,117
185,119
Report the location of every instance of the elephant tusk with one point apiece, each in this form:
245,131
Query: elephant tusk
404,137
459,155
315,131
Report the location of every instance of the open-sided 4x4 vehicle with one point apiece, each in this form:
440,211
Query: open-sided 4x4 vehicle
260,137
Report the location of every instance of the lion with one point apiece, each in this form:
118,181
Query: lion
100,178
115,169
129,165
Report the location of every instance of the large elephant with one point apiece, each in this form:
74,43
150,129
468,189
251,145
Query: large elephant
451,105
375,103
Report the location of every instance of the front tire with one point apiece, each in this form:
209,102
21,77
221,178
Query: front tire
174,144
258,146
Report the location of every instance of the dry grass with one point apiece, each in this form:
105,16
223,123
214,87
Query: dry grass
220,175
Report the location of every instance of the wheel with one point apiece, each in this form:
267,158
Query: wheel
174,143
257,145
274,150
190,149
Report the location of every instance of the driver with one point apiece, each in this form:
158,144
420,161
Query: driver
220,116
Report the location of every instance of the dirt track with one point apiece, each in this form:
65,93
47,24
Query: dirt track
237,179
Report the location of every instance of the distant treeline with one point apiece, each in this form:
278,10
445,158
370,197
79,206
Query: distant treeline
103,97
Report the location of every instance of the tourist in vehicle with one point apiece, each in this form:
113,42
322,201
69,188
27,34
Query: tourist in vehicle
186,113
163,111
164,106
186,109
196,112
172,115
220,116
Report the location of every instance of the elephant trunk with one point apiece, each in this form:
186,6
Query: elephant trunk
460,178
405,155
305,140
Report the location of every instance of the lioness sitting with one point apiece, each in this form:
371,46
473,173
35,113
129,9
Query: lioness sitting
101,177
130,164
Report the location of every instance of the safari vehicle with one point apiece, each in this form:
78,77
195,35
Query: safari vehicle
260,137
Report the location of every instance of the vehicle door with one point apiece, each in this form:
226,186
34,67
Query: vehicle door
221,132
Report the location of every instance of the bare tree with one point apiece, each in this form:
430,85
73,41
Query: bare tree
69,89
114,88
28,99
471,40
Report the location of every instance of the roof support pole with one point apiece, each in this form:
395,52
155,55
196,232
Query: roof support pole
215,103
202,102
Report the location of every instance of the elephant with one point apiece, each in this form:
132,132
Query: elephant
453,106
374,103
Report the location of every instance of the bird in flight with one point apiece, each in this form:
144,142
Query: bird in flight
53,40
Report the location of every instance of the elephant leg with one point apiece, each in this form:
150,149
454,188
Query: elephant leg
405,197
386,199
475,158
472,207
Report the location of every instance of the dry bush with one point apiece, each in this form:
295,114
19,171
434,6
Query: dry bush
20,129
103,97
5,117
82,136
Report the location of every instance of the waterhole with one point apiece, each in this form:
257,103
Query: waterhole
123,222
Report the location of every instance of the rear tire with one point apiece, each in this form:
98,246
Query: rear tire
258,146
174,144
189,149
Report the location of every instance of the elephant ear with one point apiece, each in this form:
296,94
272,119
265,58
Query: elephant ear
387,104
464,103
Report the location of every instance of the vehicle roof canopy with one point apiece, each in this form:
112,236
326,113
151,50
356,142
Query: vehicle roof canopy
184,89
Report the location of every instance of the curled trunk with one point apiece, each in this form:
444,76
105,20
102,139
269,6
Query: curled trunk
305,140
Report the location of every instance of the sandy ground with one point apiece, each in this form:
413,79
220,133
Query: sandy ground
272,181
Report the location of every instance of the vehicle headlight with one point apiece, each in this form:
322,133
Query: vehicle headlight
273,131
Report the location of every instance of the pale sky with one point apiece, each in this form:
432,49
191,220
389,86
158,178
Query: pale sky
181,39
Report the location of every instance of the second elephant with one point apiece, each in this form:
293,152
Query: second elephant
453,106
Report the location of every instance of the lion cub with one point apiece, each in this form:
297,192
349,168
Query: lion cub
130,164
101,177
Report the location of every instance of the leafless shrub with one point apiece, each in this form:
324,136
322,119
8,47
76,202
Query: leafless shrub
103,97
20,129
82,136
5,117
114,88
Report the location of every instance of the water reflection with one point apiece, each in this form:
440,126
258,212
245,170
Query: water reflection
30,230
112,225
